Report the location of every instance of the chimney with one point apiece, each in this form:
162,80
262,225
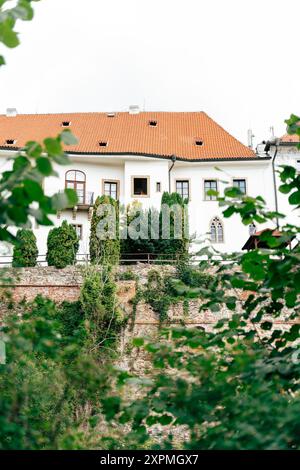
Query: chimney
11,112
250,138
134,109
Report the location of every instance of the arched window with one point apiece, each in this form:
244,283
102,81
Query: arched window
252,229
75,179
216,231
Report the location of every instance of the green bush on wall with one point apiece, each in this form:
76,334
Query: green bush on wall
25,251
105,250
62,246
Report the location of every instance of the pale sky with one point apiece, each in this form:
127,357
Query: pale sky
237,60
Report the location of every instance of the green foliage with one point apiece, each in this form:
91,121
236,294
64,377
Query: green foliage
155,294
105,244
22,197
193,276
231,393
293,126
25,251
8,17
177,248
48,380
62,246
99,305
127,275
140,219
236,387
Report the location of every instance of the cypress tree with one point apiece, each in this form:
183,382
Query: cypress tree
105,243
177,247
62,246
25,251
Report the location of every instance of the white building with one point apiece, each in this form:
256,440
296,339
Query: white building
139,155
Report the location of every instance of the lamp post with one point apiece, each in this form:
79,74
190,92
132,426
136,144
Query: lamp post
273,143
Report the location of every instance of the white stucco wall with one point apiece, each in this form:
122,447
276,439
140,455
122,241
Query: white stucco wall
201,211
258,175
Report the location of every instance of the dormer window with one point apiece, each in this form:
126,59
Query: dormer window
199,142
103,144
111,115
152,123
66,124
10,141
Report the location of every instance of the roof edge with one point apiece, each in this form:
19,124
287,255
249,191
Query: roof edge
165,157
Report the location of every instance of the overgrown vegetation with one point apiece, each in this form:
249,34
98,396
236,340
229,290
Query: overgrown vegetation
58,369
25,252
236,387
62,246
127,275
99,306
151,239
104,240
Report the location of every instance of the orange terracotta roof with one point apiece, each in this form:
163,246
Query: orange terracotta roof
275,233
175,133
295,139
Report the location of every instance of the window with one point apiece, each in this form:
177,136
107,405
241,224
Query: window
182,188
10,142
65,124
78,229
241,184
152,123
158,187
111,189
75,179
210,185
140,186
103,144
216,231
252,229
298,165
199,142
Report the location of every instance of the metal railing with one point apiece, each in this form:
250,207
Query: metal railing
126,258
85,198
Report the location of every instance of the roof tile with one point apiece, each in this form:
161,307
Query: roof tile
175,133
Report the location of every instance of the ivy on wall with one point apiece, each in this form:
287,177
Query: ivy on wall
105,244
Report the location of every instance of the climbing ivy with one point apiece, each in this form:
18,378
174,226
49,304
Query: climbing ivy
105,243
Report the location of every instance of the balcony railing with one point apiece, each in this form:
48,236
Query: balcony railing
84,198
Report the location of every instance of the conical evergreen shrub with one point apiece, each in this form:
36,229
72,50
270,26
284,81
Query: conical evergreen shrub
25,251
62,246
105,243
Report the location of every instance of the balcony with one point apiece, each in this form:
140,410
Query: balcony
85,200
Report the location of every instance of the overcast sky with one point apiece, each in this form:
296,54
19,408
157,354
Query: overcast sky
237,60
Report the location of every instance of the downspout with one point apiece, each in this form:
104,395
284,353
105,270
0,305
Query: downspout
275,184
173,160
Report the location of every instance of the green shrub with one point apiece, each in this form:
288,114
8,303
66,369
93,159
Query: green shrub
25,252
194,277
128,275
105,250
175,247
99,305
156,294
142,221
62,246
